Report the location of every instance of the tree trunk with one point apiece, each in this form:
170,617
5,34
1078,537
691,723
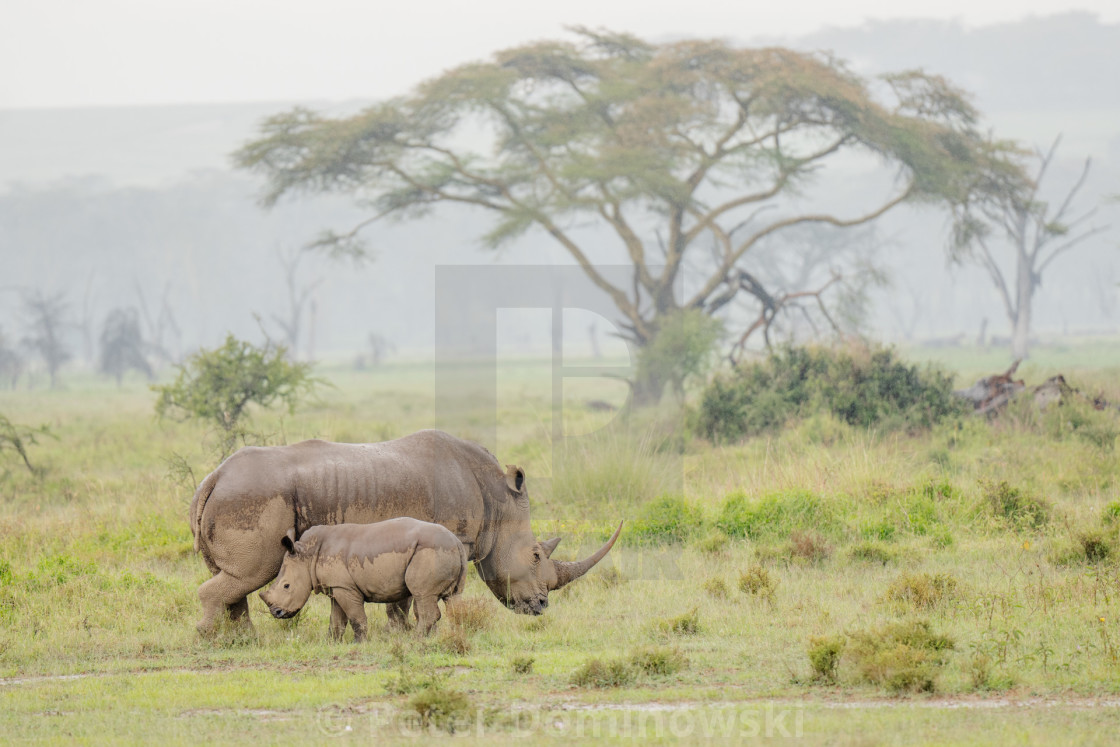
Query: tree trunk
1024,290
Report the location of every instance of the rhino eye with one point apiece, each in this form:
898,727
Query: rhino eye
286,585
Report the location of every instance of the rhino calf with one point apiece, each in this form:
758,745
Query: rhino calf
388,562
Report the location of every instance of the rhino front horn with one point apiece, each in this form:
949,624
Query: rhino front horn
567,571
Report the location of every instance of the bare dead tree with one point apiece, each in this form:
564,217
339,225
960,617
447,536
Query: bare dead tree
1030,231
160,325
784,302
299,293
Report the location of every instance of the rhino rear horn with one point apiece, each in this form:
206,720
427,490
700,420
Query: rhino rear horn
567,572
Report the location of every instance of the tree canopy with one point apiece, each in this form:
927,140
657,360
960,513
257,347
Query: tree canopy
680,150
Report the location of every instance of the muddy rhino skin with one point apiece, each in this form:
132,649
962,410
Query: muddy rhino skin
386,562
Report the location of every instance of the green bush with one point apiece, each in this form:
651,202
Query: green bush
669,518
900,657
522,664
441,708
862,388
824,656
757,581
777,513
598,673
685,624
872,552
1019,508
658,660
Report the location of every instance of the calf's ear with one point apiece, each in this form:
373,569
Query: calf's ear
289,541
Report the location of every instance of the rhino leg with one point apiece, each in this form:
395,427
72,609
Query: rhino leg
427,614
354,607
398,614
338,620
220,594
239,612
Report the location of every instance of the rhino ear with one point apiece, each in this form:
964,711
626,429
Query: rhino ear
549,545
515,478
289,541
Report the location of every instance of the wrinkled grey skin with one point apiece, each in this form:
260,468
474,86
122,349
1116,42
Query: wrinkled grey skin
387,562
242,509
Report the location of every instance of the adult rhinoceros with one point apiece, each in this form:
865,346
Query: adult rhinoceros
244,508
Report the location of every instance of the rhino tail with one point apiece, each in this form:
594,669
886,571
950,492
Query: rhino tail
461,584
198,504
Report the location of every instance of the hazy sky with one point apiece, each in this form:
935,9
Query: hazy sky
57,53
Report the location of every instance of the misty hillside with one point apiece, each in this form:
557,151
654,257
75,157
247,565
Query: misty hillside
110,205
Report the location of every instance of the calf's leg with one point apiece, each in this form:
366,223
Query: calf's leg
354,607
338,620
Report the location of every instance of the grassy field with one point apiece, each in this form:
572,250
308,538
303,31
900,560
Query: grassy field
827,583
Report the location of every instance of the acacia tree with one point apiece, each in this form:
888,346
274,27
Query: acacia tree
217,386
1015,235
672,148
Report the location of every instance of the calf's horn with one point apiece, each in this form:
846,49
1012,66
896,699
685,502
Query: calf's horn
568,571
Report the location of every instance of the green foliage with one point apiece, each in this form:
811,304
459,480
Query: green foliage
824,656
713,543
440,707
17,438
687,623
1014,505
900,657
521,664
669,518
774,513
611,131
756,581
863,388
873,552
597,673
682,349
716,587
216,386
658,661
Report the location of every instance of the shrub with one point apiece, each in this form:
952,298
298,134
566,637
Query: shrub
685,624
872,552
756,581
217,386
716,587
809,546
922,591
658,660
669,518
824,656
522,664
1014,505
777,513
1095,545
440,707
862,388
900,657
597,673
